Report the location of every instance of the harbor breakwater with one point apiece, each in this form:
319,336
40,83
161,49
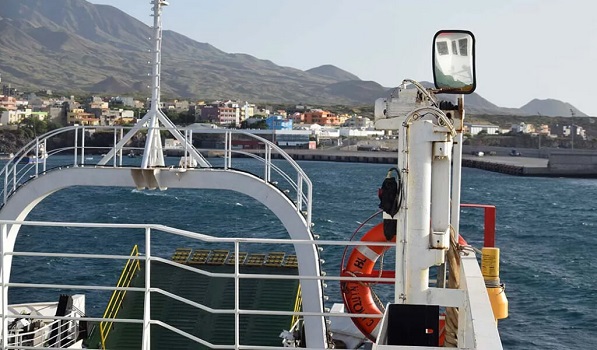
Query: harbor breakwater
559,164
496,164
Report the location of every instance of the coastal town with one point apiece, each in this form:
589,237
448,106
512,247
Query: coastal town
294,126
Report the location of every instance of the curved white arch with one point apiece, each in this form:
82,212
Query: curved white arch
27,197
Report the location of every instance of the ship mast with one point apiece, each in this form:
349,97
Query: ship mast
153,146
153,153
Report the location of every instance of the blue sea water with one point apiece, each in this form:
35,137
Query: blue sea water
546,229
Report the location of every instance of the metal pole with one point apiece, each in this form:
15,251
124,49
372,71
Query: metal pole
147,299
37,155
226,150
14,179
456,184
4,232
401,263
83,146
157,55
115,144
299,193
46,150
268,163
5,193
152,155
120,150
187,155
229,152
236,296
457,170
76,145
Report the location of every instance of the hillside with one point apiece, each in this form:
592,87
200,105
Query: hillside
551,108
75,46
476,104
333,72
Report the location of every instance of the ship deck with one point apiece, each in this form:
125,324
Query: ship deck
213,292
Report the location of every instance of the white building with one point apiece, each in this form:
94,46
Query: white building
328,133
475,129
354,132
15,117
523,128
359,122
247,111
578,131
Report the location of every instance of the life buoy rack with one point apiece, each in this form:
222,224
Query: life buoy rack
358,296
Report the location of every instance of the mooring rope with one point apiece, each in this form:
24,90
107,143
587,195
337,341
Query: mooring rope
451,340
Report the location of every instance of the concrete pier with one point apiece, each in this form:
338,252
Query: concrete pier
572,163
521,166
546,162
344,156
580,164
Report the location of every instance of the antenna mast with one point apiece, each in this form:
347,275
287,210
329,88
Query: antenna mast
153,155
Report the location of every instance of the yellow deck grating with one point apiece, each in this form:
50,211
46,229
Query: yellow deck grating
199,257
274,259
225,257
255,259
291,261
241,260
181,255
218,257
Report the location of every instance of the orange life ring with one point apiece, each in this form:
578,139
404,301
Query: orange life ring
357,296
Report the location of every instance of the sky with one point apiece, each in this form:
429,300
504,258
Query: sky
525,49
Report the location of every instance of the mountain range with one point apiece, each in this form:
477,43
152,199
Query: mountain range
76,46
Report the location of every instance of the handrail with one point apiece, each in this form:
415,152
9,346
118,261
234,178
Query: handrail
115,302
488,224
15,173
301,196
297,306
42,335
133,264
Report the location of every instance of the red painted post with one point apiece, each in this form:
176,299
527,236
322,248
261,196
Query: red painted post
489,226
489,223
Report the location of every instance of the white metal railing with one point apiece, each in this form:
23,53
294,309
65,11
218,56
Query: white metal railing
151,238
36,158
43,335
148,258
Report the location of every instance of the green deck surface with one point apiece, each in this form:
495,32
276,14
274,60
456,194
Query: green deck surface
218,293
